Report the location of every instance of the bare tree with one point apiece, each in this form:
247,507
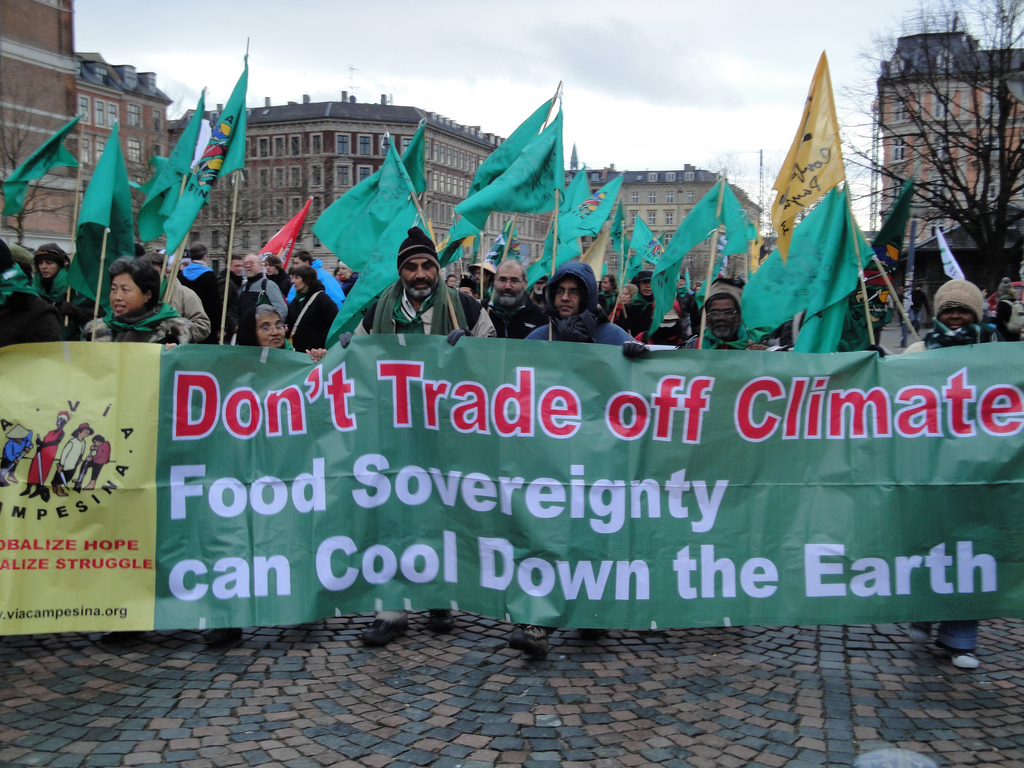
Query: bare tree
942,112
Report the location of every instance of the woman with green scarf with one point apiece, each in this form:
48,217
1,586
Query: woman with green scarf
136,312
51,282
609,293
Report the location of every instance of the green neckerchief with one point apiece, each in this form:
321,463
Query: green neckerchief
713,342
58,290
941,336
607,299
640,301
506,314
14,281
143,320
300,298
389,317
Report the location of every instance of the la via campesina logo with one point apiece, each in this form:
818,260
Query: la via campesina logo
71,459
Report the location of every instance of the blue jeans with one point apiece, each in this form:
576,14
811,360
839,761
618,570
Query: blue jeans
961,635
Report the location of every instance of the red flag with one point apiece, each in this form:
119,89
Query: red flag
283,242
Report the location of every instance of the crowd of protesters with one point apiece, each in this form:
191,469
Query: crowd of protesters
264,302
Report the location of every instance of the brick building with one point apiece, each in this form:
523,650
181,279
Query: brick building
320,150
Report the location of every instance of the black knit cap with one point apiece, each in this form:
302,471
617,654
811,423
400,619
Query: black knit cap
52,252
417,244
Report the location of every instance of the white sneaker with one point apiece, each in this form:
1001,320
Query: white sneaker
920,631
964,659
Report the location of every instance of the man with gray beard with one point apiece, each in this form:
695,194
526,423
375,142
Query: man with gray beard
513,314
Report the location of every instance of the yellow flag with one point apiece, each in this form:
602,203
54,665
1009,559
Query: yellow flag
755,253
595,253
814,164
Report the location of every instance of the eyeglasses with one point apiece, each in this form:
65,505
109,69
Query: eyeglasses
717,313
266,327
574,292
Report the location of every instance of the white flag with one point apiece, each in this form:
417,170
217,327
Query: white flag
949,265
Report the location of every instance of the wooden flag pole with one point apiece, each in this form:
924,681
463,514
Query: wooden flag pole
899,304
99,282
230,249
711,266
508,241
74,216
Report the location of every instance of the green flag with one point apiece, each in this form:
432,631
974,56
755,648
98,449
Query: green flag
817,278
224,153
414,159
508,151
645,247
387,219
457,235
162,189
498,250
528,185
567,251
51,154
719,206
107,203
889,241
351,226
589,216
618,233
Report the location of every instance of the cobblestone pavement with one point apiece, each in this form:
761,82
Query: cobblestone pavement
311,696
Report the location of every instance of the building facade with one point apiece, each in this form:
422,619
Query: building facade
320,150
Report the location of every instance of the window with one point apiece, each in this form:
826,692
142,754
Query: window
279,146
652,218
157,120
364,172
84,152
215,238
83,108
341,176
245,239
295,145
385,144
100,112
263,236
318,205
316,176
134,115
100,146
688,176
690,197
634,197
669,218
316,143
342,140
134,151
365,145
279,177
940,107
264,177
112,114
899,149
406,141
296,205
899,110
595,176
670,176
295,176
652,176
264,147
279,207
652,197
670,197
632,217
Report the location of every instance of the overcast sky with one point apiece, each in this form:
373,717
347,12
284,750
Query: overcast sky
647,83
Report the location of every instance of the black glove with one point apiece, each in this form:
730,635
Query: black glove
455,335
633,348
344,340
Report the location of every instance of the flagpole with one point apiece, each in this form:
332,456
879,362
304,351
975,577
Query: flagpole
711,265
231,248
860,269
508,240
622,273
99,282
74,216
899,304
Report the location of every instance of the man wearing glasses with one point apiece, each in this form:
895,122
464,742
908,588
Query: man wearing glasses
725,329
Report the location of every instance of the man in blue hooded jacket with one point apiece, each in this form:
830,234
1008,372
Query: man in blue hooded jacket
332,287
572,307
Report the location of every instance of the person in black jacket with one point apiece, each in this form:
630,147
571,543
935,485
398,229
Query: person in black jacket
200,278
25,317
513,314
277,273
311,312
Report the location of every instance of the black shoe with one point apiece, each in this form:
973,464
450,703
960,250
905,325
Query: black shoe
440,620
592,634
382,632
530,639
120,638
222,636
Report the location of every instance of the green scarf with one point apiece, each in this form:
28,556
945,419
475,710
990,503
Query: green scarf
713,342
145,320
641,302
607,299
300,298
14,281
389,317
506,314
58,290
940,336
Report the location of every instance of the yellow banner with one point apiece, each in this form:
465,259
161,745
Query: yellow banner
814,164
77,486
